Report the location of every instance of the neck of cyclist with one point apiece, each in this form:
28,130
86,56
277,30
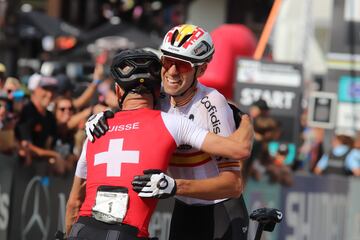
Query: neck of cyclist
133,104
134,101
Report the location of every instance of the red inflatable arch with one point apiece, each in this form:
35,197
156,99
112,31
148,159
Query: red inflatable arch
231,41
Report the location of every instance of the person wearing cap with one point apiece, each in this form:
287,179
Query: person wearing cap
207,184
259,108
120,177
342,159
36,127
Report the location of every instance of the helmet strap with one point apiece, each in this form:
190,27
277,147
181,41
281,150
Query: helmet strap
120,102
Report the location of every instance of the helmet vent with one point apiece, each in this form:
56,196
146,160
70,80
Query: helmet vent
125,69
176,33
184,40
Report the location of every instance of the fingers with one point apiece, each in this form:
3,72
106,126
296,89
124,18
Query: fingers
152,171
142,177
103,127
109,114
96,132
140,183
245,117
89,135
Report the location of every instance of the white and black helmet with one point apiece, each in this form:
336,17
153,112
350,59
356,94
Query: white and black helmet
188,42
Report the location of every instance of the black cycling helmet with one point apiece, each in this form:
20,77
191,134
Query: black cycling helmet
137,71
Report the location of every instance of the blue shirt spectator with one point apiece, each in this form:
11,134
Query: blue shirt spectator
352,159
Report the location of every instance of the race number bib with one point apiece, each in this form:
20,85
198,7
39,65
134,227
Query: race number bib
111,204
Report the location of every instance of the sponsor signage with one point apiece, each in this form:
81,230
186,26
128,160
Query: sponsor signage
6,174
322,109
348,116
279,84
39,205
314,208
349,89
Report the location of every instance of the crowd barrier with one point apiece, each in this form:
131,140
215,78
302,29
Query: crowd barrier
33,206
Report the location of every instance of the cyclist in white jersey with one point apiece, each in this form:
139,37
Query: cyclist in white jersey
209,110
207,202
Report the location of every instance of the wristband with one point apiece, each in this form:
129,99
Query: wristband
96,81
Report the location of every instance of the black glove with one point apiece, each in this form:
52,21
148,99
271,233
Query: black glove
237,114
59,235
97,124
154,184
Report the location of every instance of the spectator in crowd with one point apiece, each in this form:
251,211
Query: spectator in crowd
66,129
69,122
311,147
259,108
15,92
36,128
65,87
278,171
265,128
7,124
2,75
342,159
261,163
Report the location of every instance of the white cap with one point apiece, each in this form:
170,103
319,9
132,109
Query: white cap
38,80
346,132
34,81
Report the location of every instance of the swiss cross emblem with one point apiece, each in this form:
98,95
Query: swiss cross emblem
115,156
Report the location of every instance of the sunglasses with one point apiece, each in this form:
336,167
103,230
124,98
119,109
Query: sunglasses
182,66
62,109
9,91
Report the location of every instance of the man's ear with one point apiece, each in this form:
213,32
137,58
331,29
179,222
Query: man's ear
201,70
119,91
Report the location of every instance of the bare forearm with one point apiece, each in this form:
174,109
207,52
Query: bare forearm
85,97
226,185
76,198
78,117
72,212
226,147
41,152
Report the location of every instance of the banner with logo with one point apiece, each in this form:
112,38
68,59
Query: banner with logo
353,211
38,204
315,208
7,164
279,84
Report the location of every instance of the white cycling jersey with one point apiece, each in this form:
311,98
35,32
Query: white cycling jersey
208,109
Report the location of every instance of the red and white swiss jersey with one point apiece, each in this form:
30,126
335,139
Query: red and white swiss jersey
137,140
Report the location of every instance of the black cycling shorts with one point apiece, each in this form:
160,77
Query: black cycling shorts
223,221
88,228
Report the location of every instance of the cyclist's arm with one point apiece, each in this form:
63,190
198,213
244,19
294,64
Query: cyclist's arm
236,146
227,185
78,190
76,198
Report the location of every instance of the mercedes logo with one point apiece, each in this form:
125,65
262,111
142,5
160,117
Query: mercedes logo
35,210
